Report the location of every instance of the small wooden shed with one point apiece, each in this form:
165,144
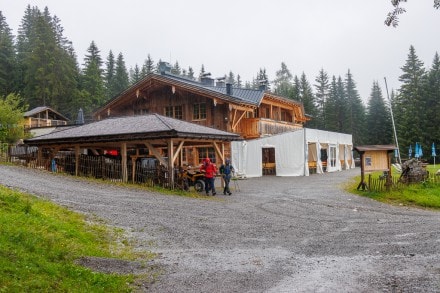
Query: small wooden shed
375,158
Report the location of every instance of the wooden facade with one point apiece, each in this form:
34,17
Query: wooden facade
249,113
44,117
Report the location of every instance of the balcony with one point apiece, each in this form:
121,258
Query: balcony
259,127
41,122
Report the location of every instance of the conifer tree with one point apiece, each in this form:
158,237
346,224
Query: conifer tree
190,73
322,88
202,72
135,74
92,81
432,102
355,116
231,78
378,119
47,61
176,69
283,81
331,107
148,66
239,82
409,104
121,75
110,75
308,100
8,64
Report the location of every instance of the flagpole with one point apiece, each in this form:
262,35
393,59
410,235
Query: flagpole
392,119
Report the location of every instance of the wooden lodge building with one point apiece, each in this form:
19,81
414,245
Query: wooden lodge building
247,112
174,106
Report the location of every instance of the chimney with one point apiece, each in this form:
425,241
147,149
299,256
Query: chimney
229,89
263,85
164,67
206,79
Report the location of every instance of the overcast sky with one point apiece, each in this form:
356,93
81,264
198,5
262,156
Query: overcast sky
246,35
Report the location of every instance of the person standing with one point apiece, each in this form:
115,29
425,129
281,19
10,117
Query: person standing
210,171
226,171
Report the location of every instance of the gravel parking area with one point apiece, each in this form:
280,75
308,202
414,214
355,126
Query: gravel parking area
277,234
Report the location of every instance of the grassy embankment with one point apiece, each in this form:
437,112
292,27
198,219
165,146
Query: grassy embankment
426,194
40,241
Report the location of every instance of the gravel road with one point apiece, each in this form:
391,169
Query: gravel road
277,234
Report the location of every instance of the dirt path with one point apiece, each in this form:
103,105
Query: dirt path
295,234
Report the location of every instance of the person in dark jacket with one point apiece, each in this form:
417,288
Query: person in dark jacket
226,171
210,171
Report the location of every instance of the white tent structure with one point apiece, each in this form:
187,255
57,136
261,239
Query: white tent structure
292,152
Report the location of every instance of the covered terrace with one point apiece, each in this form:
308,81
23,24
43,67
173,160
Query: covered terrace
169,140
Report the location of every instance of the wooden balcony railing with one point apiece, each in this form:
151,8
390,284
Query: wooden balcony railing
259,127
41,122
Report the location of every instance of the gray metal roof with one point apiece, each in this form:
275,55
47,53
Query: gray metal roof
132,128
244,95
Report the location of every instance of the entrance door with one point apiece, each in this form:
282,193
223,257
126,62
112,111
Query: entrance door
268,159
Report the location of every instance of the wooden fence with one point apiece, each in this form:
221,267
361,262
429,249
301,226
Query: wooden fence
101,167
379,183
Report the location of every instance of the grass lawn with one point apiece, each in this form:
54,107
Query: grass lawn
425,194
40,241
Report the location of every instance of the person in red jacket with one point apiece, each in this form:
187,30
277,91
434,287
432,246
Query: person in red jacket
210,171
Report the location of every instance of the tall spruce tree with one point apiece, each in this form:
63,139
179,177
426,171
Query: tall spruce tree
135,74
283,81
48,63
239,81
410,104
121,75
322,91
8,64
231,78
355,122
110,73
190,73
92,81
148,66
432,102
308,100
177,70
331,107
378,119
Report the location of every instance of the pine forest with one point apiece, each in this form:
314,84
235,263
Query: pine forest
40,68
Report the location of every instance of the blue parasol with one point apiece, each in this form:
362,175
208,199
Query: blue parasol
433,150
410,151
416,151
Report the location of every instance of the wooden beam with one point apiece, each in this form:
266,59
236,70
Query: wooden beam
155,153
124,162
178,150
234,126
218,151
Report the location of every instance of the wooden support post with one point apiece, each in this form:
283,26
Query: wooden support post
76,160
171,163
124,162
362,183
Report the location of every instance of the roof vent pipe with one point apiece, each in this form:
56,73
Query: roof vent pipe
229,89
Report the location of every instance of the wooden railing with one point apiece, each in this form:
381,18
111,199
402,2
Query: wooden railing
258,127
41,122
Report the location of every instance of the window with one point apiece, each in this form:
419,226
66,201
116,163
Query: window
199,112
206,153
174,112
